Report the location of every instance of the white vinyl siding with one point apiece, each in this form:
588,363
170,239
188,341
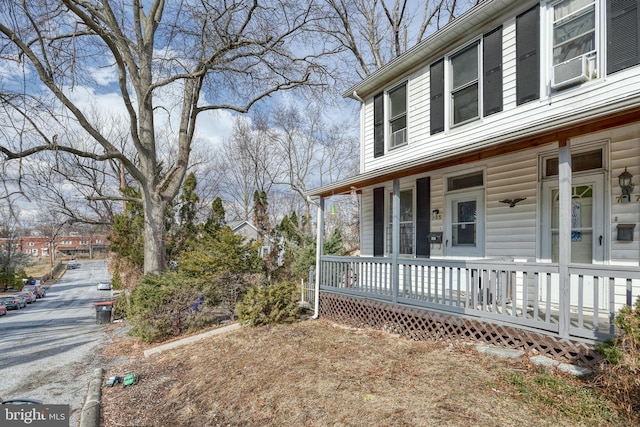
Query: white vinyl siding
366,241
509,63
562,106
625,153
511,232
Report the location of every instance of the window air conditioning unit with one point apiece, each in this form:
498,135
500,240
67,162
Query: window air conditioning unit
571,72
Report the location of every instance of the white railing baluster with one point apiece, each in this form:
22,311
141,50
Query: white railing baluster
520,294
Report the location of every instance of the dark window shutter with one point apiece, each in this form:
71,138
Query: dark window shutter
527,56
378,125
378,221
436,87
423,215
623,34
492,70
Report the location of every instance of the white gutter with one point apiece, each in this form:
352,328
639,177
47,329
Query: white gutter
432,46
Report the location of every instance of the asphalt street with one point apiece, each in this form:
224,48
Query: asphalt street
49,350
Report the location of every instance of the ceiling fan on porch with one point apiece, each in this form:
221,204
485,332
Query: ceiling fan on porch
513,202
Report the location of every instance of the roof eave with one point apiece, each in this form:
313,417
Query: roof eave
432,47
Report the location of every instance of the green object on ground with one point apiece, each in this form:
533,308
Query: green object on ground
129,379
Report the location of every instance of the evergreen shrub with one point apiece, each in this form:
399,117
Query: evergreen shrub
268,304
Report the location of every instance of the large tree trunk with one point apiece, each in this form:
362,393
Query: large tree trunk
154,234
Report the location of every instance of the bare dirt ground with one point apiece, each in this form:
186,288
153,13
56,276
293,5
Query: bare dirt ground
316,373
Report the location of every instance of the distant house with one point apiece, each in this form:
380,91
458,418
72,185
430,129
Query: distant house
499,158
251,233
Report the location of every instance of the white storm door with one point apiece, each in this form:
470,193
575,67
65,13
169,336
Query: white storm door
587,230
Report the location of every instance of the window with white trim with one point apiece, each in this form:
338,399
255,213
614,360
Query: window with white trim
574,42
464,85
574,29
406,223
470,79
398,116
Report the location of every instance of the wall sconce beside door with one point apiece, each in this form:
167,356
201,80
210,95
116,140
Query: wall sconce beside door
624,179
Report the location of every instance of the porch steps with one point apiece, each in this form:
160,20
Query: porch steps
545,361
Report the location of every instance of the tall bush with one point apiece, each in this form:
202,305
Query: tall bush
619,376
168,305
269,304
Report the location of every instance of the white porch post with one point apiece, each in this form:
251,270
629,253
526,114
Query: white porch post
564,234
395,240
319,250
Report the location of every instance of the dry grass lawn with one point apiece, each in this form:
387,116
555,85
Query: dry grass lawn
316,373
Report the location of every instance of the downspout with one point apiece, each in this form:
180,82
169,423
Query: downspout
357,97
319,249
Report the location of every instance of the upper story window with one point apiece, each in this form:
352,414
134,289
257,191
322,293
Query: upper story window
574,29
474,82
573,42
395,125
464,85
398,116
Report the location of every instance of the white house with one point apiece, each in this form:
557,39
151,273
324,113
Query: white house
251,233
496,157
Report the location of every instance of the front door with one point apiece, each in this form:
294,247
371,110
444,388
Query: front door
587,230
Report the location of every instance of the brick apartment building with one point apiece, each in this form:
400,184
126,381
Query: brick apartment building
74,246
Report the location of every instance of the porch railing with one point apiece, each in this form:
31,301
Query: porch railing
526,295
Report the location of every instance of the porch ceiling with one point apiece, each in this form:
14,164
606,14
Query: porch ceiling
542,134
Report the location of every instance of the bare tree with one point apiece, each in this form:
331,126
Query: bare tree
194,57
313,151
248,162
373,32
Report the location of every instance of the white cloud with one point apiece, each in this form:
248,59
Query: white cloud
104,76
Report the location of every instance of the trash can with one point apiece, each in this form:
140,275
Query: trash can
103,311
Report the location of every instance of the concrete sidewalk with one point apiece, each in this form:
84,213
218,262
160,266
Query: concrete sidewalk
189,340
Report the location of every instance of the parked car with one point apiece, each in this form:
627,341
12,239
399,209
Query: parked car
3,309
11,302
28,296
72,265
22,300
38,290
104,285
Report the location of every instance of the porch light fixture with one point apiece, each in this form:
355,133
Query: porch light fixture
333,210
624,179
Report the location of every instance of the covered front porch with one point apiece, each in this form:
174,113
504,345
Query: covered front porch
554,269
518,294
